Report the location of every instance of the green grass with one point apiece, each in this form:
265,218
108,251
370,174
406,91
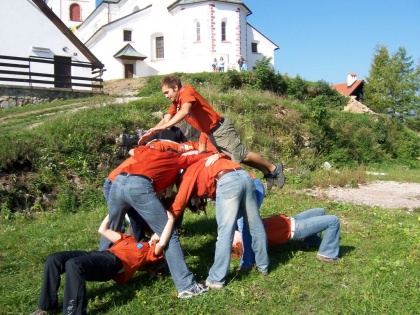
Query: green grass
55,171
379,274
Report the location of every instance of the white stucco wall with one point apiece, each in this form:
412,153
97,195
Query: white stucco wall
265,47
62,9
34,35
183,53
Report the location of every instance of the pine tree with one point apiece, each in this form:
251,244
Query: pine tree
393,84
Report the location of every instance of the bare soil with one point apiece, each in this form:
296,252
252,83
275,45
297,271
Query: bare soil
124,87
384,194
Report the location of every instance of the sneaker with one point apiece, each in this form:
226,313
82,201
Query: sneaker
276,175
42,312
195,290
214,286
327,259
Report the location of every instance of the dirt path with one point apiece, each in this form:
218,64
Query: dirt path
385,194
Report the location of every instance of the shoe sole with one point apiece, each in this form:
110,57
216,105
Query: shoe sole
214,286
280,176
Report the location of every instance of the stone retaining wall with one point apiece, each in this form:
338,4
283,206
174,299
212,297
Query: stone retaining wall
12,96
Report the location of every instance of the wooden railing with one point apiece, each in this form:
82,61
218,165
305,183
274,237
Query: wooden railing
18,69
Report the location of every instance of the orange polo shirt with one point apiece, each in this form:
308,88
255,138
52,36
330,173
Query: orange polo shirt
199,180
132,254
160,166
202,116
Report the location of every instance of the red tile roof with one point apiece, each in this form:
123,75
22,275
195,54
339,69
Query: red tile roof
346,90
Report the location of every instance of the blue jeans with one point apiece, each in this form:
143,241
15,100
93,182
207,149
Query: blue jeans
138,193
248,256
136,221
235,193
309,225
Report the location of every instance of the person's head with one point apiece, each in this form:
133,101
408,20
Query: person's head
221,58
170,86
215,59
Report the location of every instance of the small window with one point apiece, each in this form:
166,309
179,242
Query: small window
197,27
75,12
160,52
223,31
127,36
254,47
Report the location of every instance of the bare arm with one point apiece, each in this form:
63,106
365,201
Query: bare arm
166,234
109,234
179,116
167,122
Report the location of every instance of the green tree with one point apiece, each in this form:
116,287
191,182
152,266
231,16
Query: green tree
393,84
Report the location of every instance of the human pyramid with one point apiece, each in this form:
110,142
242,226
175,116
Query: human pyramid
209,168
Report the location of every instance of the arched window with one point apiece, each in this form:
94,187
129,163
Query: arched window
223,31
75,12
198,33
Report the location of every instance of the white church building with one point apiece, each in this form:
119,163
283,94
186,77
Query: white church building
149,37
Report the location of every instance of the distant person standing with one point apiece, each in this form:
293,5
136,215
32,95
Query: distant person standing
215,65
241,63
221,65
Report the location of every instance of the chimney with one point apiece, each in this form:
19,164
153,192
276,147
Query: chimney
351,78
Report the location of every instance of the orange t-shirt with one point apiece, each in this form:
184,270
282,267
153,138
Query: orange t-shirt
277,229
115,172
201,116
199,180
132,254
160,166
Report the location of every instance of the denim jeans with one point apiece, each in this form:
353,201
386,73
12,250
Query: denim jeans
235,193
309,226
248,256
136,221
138,193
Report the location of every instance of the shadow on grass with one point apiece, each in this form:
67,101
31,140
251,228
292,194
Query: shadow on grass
119,295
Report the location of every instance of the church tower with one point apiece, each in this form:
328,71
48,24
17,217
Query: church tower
72,12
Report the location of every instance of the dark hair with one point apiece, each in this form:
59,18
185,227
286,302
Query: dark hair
170,81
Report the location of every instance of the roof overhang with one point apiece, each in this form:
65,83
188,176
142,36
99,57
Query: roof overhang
129,53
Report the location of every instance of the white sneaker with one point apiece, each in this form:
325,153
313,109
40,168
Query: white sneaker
195,290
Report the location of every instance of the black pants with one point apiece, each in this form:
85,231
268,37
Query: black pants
79,267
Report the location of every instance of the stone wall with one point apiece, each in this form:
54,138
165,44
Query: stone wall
12,96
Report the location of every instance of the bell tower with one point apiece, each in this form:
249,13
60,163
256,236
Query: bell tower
72,12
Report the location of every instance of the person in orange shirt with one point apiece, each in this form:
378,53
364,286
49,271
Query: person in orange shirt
189,105
306,226
119,263
135,187
234,191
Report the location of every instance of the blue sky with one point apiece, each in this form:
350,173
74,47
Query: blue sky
326,39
